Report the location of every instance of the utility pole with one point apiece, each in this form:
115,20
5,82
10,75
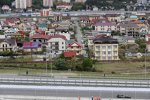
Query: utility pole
145,63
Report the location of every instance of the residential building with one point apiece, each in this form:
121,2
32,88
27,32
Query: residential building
40,38
105,48
47,3
147,37
23,4
56,45
128,28
29,3
142,1
80,1
64,6
105,26
75,46
32,47
113,17
67,1
148,46
8,45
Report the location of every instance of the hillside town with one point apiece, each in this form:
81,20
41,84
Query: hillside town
100,37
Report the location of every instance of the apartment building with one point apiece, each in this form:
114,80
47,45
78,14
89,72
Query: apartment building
56,45
80,1
105,26
47,3
23,4
105,48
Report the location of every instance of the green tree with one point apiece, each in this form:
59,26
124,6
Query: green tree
61,64
78,6
87,64
142,45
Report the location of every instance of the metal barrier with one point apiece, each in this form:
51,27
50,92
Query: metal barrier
76,82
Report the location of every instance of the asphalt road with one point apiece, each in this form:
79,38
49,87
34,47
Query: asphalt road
28,80
78,33
61,91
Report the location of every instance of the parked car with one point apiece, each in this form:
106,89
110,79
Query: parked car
123,96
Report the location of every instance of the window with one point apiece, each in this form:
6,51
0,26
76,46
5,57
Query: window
62,47
97,46
109,52
109,47
109,58
115,46
3,46
9,44
115,52
40,40
103,58
56,43
104,52
103,47
62,42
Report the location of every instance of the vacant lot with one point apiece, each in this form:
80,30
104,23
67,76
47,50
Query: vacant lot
103,70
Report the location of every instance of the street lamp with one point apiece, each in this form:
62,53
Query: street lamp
145,62
45,59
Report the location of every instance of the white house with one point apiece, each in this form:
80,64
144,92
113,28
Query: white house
56,44
8,45
105,26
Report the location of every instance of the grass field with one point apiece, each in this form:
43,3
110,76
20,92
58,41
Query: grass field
104,70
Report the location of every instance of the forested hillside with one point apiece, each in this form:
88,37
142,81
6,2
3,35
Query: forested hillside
116,4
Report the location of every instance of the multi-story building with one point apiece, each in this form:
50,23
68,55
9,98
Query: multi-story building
23,4
47,3
29,3
75,47
56,44
105,48
8,45
81,1
105,26
67,1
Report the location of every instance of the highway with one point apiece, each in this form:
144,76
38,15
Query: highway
67,91
44,81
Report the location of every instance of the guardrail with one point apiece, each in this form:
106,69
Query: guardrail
75,82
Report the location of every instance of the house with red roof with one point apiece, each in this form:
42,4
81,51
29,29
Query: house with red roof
75,47
41,38
32,46
147,37
105,26
56,44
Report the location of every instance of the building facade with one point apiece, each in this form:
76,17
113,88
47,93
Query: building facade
23,4
105,48
47,3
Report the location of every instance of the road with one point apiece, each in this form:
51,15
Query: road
66,91
78,33
29,80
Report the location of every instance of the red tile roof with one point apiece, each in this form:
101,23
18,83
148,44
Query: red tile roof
147,35
70,45
69,54
40,36
57,36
